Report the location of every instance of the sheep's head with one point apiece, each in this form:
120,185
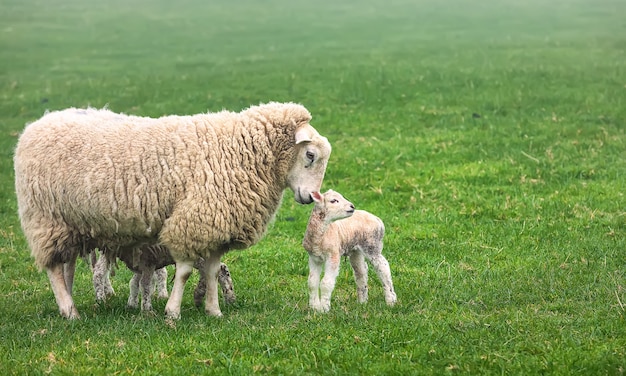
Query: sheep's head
311,157
332,205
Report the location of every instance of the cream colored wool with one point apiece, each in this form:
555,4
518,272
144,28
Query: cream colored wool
200,185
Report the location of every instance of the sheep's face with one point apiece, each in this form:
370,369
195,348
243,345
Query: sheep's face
311,157
333,205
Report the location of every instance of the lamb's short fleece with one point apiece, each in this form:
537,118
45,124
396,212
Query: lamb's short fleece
336,229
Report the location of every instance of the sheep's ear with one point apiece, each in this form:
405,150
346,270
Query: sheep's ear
317,197
304,134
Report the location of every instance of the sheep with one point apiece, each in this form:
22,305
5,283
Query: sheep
201,185
336,229
148,266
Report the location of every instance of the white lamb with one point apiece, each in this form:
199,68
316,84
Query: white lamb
148,266
200,185
335,229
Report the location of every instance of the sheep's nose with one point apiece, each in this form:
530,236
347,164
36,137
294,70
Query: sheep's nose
352,206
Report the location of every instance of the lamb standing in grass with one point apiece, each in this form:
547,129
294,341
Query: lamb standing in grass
335,229
201,185
148,266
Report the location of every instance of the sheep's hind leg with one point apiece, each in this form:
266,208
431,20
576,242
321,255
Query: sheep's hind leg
384,273
211,270
316,265
357,260
62,295
183,271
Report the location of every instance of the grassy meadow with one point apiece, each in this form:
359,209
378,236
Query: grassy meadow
489,136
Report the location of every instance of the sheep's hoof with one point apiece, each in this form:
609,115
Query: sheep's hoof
72,314
214,313
172,315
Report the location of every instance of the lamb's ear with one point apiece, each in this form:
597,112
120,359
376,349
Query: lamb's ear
317,197
304,134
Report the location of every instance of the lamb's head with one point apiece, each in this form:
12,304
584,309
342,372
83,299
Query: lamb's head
332,205
311,157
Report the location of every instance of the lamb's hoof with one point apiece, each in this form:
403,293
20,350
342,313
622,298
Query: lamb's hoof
321,309
164,295
230,298
149,313
198,302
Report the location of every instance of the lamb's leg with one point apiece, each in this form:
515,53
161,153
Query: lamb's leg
316,264
200,291
331,271
384,273
223,278
62,295
160,277
101,281
357,260
183,271
147,287
211,270
226,282
133,286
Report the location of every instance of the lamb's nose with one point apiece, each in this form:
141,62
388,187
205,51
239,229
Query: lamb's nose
352,206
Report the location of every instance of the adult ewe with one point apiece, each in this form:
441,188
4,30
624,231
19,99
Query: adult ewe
200,185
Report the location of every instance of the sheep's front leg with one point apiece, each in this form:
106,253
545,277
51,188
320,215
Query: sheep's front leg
331,271
183,271
316,264
147,288
357,260
211,271
384,273
62,295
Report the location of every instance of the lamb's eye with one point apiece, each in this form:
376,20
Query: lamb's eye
334,201
310,156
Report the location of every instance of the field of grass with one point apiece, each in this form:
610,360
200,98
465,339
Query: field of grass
489,136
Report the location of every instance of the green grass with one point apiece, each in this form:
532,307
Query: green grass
489,136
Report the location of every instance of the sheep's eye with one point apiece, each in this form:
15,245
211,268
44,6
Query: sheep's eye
310,156
334,201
